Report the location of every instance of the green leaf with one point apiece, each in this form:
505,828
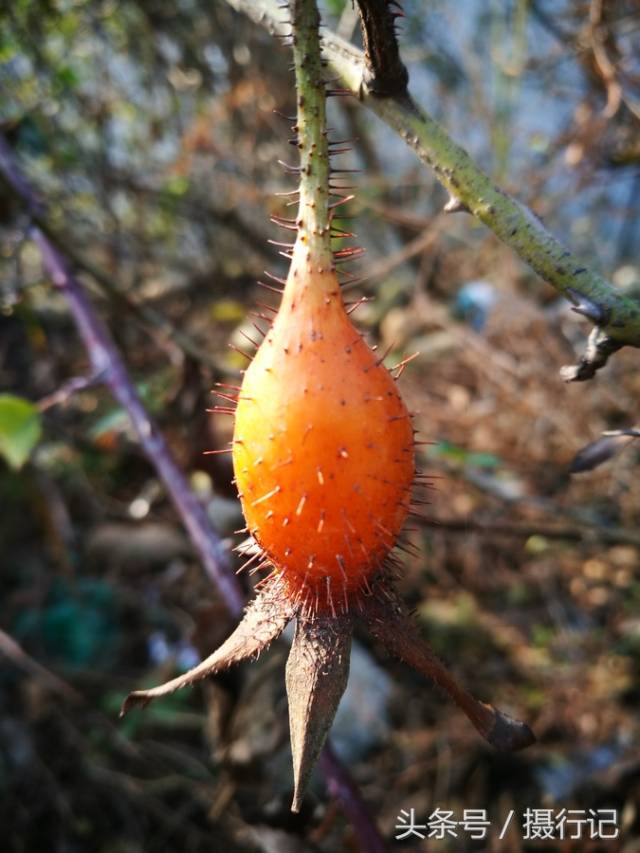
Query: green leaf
177,185
20,429
446,450
65,77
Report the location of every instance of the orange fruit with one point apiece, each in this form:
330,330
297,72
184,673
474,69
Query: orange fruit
323,447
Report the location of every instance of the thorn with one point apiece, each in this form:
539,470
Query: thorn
260,316
271,287
241,351
343,199
454,205
386,353
228,397
222,410
401,365
348,253
351,306
282,222
282,245
251,341
268,307
226,385
587,307
273,277
293,170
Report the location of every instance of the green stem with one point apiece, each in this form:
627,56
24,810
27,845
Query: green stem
617,315
313,211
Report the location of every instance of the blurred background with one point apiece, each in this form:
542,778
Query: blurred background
149,130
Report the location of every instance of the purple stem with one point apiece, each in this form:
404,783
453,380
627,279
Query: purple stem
343,788
108,366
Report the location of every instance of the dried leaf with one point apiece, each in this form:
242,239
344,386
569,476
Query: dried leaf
391,623
597,452
317,674
264,620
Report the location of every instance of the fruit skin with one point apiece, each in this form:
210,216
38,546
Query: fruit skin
323,445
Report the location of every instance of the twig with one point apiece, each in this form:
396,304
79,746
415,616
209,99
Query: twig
67,390
342,787
510,220
107,363
593,533
414,247
599,347
385,75
145,314
17,655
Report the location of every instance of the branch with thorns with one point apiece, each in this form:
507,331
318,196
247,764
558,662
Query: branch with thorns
615,315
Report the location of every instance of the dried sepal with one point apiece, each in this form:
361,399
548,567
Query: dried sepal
598,452
390,622
263,621
316,678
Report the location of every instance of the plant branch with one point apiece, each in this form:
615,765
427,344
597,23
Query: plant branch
107,363
385,75
615,316
13,651
343,788
311,128
592,534
144,314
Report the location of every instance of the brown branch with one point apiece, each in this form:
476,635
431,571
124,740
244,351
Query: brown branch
385,76
17,655
567,533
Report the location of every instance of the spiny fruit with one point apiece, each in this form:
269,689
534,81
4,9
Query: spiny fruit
323,455
323,445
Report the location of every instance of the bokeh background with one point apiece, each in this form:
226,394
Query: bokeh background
149,130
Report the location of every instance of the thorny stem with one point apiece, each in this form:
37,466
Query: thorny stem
614,313
313,211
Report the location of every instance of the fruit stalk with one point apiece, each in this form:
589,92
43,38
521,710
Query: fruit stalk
313,220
